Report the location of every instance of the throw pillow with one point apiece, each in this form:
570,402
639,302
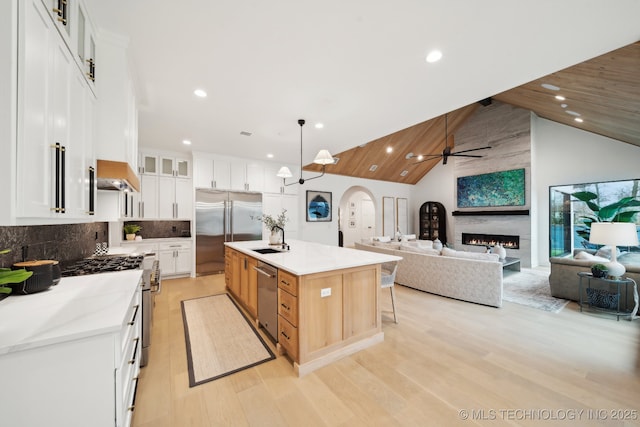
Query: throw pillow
425,243
470,255
605,252
590,257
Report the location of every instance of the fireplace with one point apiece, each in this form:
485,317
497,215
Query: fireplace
477,239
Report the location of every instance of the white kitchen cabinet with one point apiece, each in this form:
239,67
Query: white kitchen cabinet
175,198
148,197
63,14
85,44
43,115
175,258
87,377
148,164
247,176
170,166
211,173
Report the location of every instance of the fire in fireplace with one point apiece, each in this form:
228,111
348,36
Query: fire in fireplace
477,239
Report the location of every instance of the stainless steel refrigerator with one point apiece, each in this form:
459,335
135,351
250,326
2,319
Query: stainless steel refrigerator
223,216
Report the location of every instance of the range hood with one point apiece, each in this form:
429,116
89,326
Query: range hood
118,176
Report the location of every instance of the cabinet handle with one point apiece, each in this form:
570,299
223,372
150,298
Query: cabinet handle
135,351
286,307
284,282
284,335
56,204
131,407
92,180
63,177
135,313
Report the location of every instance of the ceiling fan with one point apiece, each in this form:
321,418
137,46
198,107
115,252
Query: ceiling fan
446,153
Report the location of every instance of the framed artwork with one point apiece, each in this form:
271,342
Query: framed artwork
319,206
402,215
504,188
388,217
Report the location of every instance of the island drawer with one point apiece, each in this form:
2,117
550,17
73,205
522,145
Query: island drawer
288,282
288,306
288,337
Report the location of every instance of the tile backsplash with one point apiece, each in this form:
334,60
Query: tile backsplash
162,229
63,242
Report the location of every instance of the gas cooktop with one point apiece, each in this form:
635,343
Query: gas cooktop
102,264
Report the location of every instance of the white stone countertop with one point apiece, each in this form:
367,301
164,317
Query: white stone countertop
75,308
308,258
156,240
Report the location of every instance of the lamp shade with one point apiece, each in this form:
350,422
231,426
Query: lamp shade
614,233
323,158
284,172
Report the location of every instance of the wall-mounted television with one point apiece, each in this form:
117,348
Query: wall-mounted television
504,188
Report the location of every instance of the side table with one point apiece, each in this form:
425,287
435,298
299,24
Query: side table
618,284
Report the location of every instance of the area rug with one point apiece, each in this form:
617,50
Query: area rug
531,287
220,340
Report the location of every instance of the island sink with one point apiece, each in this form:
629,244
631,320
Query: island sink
266,251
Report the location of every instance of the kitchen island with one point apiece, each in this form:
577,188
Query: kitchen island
328,298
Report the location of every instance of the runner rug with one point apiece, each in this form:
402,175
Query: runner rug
531,287
220,339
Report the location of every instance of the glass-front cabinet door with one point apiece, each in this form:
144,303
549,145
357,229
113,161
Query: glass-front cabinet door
148,164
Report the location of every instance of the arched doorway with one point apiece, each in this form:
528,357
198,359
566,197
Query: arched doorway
357,217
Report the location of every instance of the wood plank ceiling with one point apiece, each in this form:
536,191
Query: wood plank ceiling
604,92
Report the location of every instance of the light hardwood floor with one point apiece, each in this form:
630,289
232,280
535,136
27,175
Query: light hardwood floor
443,361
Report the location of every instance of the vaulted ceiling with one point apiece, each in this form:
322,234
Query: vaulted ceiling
358,67
604,93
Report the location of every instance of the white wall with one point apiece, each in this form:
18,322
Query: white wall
437,186
566,155
327,232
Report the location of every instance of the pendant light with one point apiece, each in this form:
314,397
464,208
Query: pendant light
322,158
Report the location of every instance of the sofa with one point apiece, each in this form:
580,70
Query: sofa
467,276
564,280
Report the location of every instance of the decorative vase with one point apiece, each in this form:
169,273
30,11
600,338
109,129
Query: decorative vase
500,250
437,244
274,238
131,236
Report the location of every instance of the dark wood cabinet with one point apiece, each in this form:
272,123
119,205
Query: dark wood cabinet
433,222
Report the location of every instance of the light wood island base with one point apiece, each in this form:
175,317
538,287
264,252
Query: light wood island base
322,316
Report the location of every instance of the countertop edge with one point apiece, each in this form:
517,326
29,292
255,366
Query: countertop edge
311,266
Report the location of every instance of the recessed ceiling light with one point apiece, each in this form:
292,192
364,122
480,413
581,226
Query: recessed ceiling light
270,156
563,105
200,93
550,86
373,168
434,56
420,157
404,173
389,149
319,125
578,119
186,142
573,113
560,98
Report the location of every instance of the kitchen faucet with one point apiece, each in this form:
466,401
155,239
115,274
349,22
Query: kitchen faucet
285,247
